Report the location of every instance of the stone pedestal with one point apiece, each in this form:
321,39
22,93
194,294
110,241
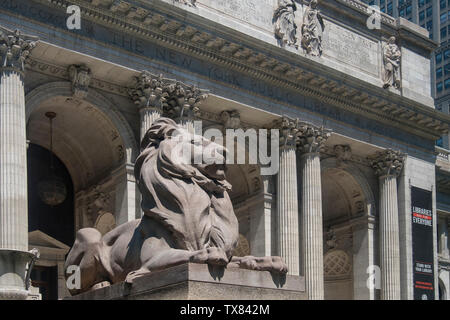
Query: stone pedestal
201,282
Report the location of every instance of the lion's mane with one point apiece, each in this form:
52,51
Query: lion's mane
195,208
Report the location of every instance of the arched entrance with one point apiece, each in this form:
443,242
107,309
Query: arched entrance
96,147
95,143
348,204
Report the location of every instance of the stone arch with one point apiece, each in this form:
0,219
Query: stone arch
63,88
359,180
72,152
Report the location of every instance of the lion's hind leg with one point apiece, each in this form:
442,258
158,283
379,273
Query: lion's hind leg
85,254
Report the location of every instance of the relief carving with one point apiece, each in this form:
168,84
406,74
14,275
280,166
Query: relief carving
312,30
392,63
80,76
231,119
285,26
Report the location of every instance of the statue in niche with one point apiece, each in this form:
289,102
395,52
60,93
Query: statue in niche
188,216
312,30
285,26
392,61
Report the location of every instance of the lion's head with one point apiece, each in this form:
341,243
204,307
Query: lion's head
186,194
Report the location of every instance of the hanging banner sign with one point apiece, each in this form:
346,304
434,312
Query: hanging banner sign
422,243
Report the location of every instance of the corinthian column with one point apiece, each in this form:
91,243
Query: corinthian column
149,93
387,166
14,48
311,140
287,198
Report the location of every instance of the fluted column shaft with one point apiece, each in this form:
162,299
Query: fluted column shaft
287,202
148,116
13,162
388,166
312,225
310,141
14,49
389,239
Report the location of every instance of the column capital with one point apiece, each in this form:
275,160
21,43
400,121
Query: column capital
288,131
149,91
387,163
15,48
172,97
311,138
184,101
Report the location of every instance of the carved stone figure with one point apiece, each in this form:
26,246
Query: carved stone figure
285,26
188,216
312,30
80,76
392,61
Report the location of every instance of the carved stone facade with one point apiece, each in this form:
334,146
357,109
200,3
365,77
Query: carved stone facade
310,69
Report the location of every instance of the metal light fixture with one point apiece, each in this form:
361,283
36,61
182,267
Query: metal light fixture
52,189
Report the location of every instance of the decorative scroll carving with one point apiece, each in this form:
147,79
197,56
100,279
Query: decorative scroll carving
311,139
285,26
312,30
288,131
80,76
388,162
392,63
231,119
15,48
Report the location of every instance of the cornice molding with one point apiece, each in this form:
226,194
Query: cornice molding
167,31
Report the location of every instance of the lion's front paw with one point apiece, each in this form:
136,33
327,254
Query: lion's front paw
217,257
133,275
271,264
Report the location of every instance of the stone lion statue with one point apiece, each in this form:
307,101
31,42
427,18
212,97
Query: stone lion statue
188,216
